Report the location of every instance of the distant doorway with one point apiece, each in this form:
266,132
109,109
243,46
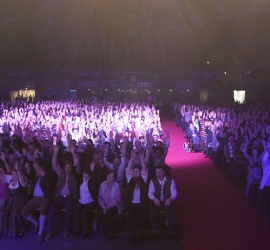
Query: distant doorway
26,94
239,95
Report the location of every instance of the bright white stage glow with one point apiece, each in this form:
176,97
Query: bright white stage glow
239,95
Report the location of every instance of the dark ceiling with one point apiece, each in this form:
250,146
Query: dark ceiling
168,35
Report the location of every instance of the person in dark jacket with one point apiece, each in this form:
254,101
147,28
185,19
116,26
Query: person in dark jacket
162,192
43,194
136,199
86,204
222,139
66,194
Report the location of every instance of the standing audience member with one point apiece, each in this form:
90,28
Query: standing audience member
254,169
86,204
109,199
37,126
241,165
3,193
265,181
162,192
43,194
119,162
222,138
209,128
12,222
230,154
136,199
66,194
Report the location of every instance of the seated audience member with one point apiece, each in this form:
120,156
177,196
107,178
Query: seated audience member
43,194
86,204
193,134
209,128
136,199
202,129
162,192
65,197
109,199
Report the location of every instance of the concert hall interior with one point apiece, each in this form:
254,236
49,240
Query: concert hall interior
134,124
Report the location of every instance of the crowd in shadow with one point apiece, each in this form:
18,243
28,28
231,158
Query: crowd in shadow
236,137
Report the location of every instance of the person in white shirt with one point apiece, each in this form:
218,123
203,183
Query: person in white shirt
86,204
136,199
162,192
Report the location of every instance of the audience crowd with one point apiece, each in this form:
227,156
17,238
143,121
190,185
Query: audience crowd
82,160
236,136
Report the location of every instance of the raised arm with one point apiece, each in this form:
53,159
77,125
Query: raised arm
3,158
265,159
105,160
245,148
22,177
123,150
143,163
55,163
148,149
130,163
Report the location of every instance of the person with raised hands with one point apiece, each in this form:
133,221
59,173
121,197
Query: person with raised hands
136,201
66,194
86,203
119,161
11,221
265,181
42,193
255,165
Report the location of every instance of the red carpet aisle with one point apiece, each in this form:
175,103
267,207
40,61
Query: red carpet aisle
212,212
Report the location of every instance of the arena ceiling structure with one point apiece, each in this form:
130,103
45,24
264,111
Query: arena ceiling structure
171,35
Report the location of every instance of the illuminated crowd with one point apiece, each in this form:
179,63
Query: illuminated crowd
94,161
